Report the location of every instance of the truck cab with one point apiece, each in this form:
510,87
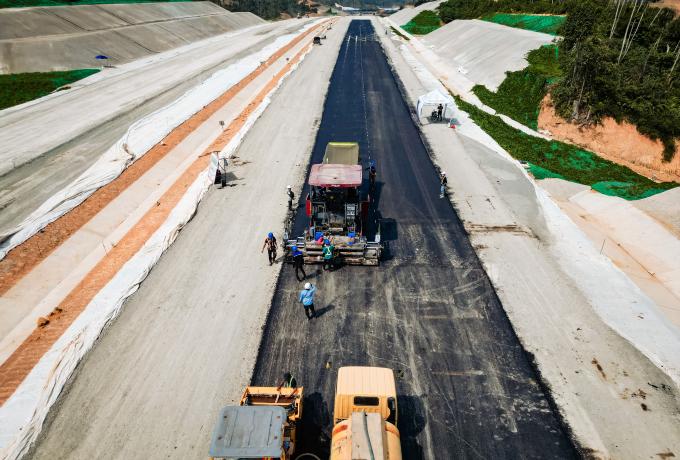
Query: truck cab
365,415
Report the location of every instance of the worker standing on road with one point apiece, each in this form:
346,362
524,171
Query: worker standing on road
299,263
270,244
327,251
288,381
307,299
291,197
371,174
443,181
440,109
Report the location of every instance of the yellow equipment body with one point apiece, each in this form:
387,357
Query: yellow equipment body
365,415
263,425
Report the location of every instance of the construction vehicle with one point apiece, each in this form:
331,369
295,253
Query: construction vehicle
338,210
365,415
263,425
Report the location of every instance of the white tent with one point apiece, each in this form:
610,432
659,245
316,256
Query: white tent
433,99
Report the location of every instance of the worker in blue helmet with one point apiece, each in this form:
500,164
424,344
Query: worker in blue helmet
299,263
271,245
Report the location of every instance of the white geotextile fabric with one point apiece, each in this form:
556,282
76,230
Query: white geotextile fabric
23,414
140,137
434,98
620,304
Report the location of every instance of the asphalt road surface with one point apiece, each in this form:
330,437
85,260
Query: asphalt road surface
466,387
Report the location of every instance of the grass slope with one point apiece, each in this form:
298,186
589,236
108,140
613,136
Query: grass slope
521,93
557,159
424,23
538,23
22,87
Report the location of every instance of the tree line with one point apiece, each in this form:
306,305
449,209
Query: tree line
619,58
268,9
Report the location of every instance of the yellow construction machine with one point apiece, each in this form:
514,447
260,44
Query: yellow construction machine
263,425
365,415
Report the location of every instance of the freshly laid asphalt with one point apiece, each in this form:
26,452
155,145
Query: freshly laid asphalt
466,387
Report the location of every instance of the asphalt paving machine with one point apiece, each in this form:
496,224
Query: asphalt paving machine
338,210
263,425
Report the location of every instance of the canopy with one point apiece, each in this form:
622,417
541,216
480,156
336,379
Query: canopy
336,176
434,98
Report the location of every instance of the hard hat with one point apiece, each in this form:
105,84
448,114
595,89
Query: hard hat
443,173
289,186
308,285
270,235
294,248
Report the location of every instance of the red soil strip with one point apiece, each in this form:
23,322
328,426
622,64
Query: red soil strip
22,259
25,357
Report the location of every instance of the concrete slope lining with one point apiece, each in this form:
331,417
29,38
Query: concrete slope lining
58,20
73,37
466,388
405,15
140,137
483,51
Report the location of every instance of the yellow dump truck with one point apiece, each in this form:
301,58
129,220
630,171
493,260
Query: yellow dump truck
365,415
263,425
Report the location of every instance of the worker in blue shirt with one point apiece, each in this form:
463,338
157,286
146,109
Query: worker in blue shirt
307,299
299,263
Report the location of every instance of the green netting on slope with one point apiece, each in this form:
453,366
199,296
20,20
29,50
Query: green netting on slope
27,3
22,87
537,23
542,173
557,159
519,96
424,23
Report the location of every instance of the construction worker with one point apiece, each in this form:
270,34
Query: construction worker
371,173
288,381
307,300
291,197
271,245
440,109
299,263
327,251
443,181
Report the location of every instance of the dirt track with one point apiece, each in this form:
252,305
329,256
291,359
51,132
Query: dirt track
467,389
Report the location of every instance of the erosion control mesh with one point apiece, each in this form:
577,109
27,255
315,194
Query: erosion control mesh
538,23
557,159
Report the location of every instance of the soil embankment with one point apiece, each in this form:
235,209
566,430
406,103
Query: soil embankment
621,143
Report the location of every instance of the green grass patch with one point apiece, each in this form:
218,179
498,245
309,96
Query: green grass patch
396,31
557,159
521,93
538,23
424,23
22,87
27,3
